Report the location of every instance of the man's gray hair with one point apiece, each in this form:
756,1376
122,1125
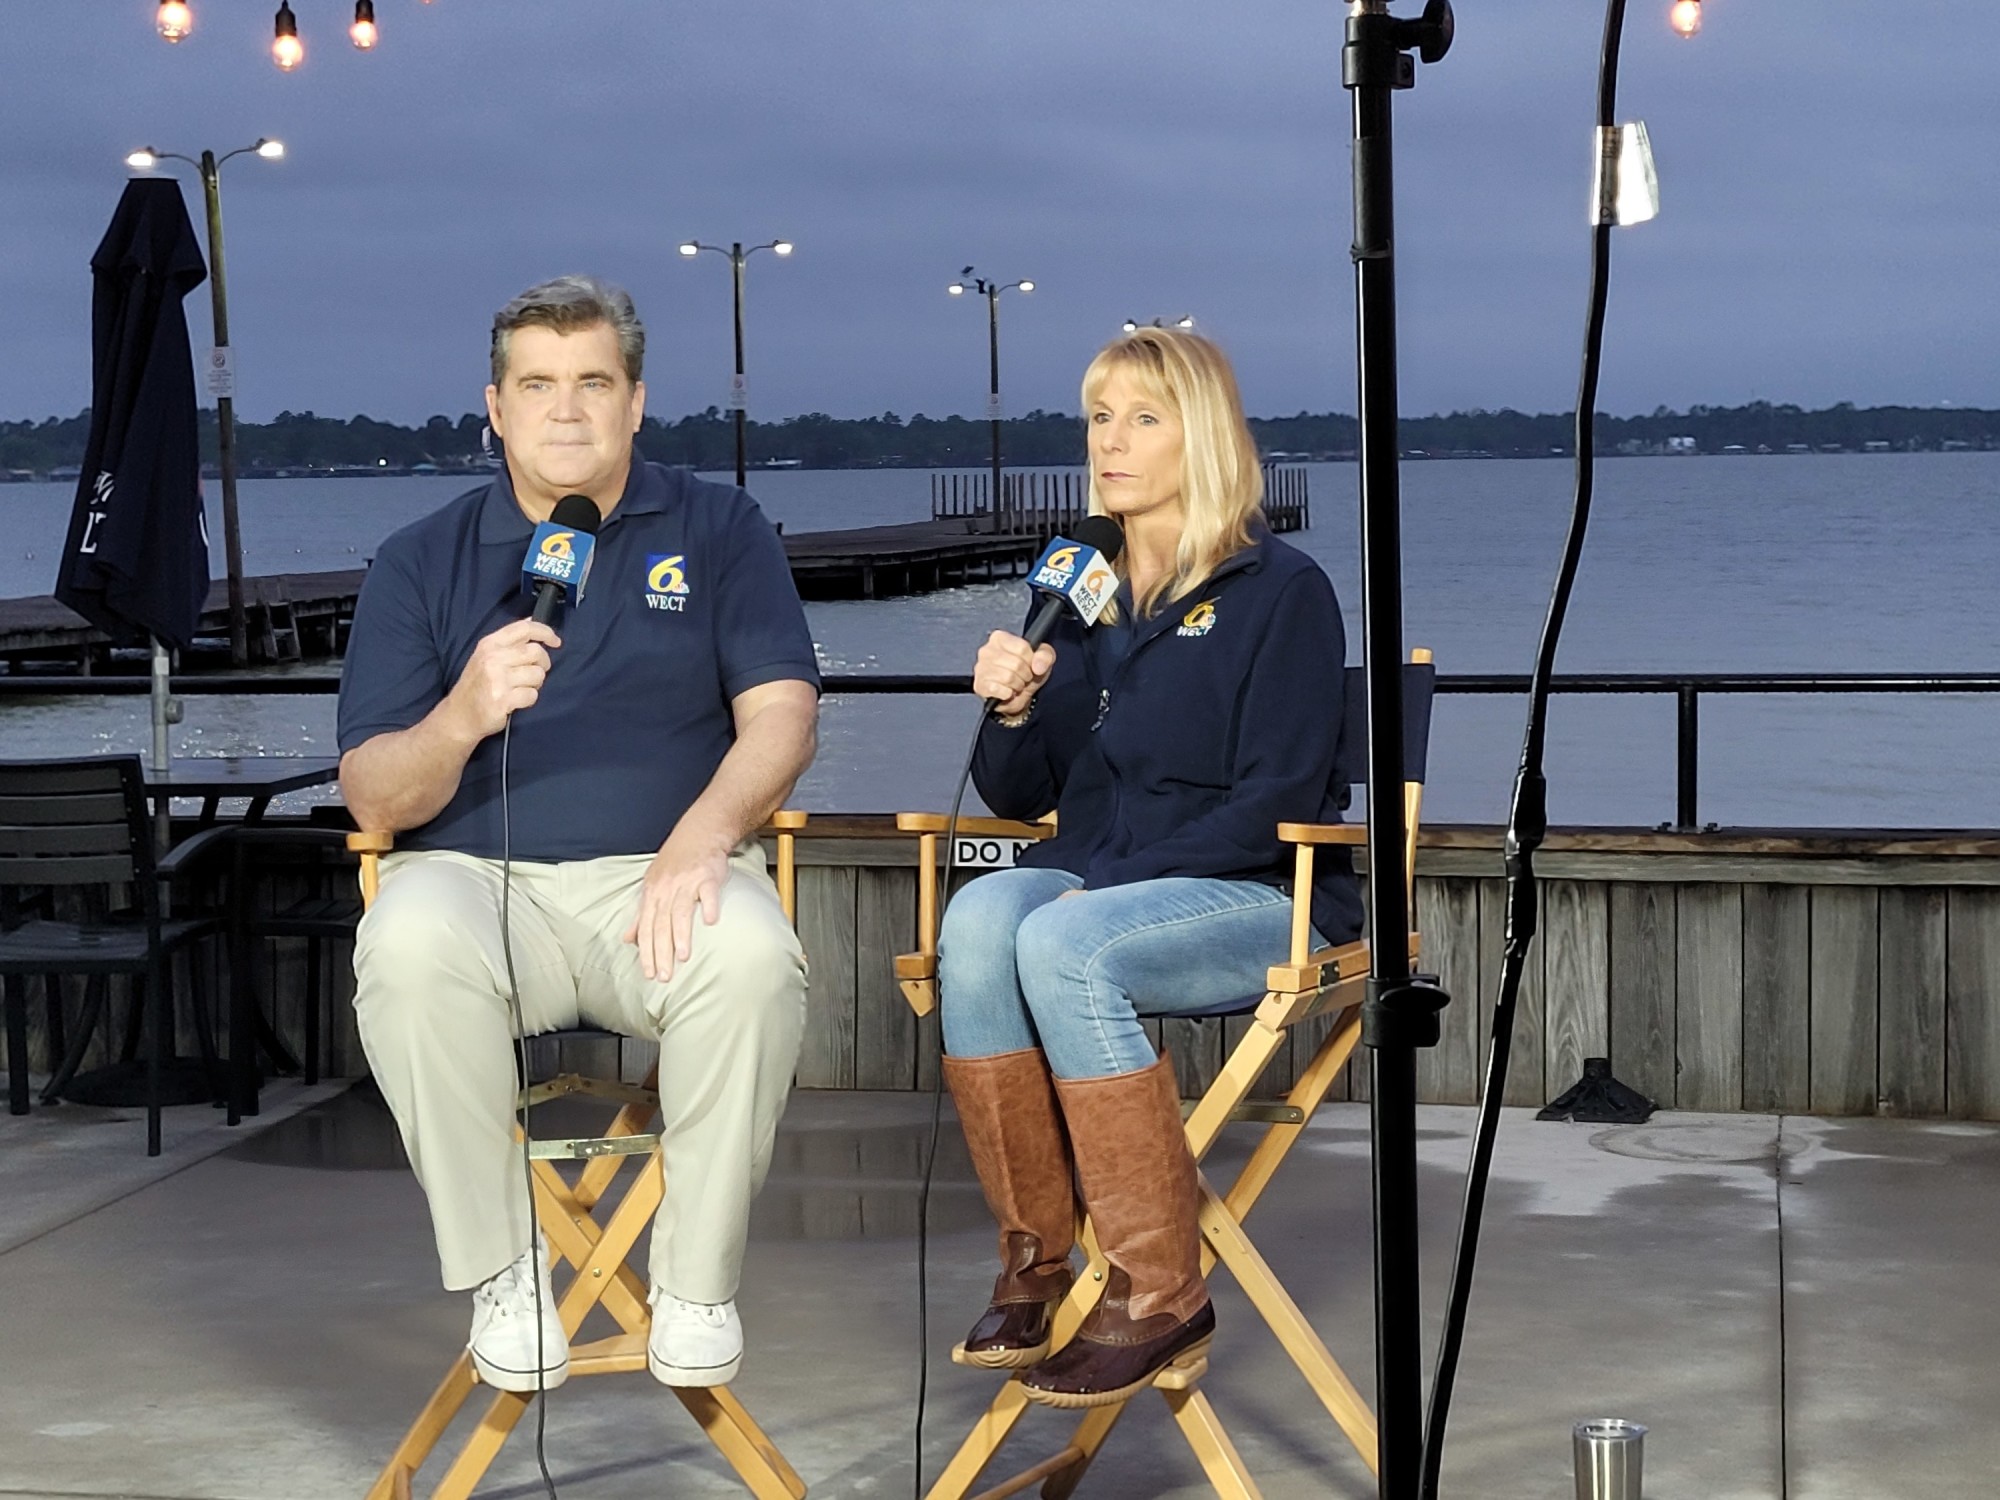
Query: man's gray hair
570,304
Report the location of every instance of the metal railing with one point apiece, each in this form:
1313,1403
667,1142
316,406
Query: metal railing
1687,689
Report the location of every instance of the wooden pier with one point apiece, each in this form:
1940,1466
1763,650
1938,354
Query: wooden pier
305,616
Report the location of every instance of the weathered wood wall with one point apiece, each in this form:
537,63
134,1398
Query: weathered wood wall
1830,974
1817,973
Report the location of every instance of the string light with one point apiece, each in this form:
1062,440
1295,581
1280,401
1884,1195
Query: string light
175,19
287,51
1685,17
363,29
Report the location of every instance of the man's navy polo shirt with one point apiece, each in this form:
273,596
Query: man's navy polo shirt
689,603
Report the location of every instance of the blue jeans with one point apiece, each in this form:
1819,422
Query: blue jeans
1018,967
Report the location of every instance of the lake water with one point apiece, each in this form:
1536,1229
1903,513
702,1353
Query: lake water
1809,563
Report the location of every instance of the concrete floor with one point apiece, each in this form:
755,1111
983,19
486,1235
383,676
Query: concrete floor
1798,1308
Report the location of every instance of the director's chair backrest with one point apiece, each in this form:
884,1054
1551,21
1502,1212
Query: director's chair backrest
1351,767
784,826
597,1244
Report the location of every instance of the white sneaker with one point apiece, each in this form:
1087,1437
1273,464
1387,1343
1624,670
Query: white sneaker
694,1343
504,1324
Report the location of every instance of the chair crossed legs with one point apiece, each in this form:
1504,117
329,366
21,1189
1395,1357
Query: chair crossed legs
594,1232
1329,982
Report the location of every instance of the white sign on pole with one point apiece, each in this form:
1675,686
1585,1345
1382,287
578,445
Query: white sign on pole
739,394
988,854
993,412
220,376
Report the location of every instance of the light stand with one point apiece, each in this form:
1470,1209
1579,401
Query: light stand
1401,1011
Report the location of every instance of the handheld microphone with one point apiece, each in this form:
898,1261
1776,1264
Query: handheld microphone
558,562
1076,575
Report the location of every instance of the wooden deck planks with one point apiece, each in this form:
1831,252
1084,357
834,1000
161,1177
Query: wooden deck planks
1845,922
1972,1005
1447,914
1643,964
1834,998
826,921
1576,974
1708,997
1910,1027
1777,998
885,1028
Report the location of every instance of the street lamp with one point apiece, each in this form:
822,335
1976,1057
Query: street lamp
991,291
739,397
221,367
1184,321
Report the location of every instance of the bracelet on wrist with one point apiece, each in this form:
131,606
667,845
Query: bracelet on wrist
1014,721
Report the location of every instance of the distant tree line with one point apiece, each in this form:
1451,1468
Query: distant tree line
706,439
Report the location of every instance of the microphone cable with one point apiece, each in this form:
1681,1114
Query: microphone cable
937,1123
527,1136
1528,815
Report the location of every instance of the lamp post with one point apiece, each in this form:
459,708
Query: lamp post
222,369
739,396
1185,321
991,291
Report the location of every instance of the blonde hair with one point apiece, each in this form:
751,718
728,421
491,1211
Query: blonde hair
1222,481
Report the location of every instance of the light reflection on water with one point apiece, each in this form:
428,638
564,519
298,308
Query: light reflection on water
1820,563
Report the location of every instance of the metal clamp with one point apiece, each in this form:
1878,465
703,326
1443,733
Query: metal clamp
1403,1012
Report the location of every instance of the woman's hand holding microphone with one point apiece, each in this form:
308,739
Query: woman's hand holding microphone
1009,672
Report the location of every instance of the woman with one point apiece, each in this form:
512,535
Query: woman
1171,739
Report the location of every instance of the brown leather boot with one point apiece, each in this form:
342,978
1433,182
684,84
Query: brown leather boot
1007,1106
1140,1188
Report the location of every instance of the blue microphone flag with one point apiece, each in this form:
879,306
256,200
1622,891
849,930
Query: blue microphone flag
559,554
1076,573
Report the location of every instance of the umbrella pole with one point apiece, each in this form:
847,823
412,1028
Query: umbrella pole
163,702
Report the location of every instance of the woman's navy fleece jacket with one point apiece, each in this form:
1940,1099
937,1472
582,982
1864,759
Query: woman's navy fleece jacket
1175,745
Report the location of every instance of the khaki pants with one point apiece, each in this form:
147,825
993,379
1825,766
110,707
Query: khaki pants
432,1001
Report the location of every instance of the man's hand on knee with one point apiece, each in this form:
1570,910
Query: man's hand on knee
686,874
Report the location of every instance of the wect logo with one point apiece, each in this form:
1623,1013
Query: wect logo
666,581
1198,621
561,556
1080,574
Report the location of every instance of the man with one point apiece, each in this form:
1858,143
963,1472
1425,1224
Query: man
624,761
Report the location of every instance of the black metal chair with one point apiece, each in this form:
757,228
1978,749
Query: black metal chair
323,905
79,831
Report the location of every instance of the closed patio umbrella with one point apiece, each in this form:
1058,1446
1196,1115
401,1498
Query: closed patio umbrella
135,563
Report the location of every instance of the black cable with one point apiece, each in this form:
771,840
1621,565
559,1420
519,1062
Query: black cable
1528,817
527,1137
937,1121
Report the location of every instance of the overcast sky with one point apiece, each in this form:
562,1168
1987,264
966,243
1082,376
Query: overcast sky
1830,173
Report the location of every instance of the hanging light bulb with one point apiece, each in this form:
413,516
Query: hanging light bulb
175,20
363,29
287,51
1685,17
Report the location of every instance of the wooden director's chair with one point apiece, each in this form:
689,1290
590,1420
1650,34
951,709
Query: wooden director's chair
1327,982
598,1250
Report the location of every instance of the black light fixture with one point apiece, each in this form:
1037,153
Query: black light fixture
287,51
363,29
